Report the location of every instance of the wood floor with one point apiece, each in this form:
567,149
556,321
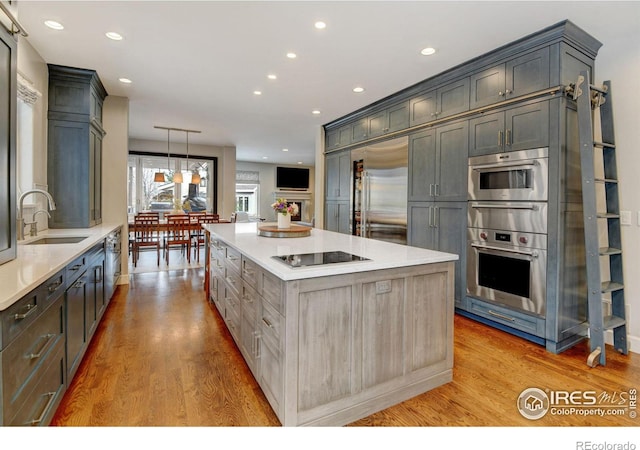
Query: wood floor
162,357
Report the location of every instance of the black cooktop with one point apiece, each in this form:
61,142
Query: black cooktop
316,259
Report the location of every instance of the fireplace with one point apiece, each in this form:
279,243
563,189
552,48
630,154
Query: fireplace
300,198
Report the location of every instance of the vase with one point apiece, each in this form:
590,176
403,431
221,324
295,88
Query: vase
284,221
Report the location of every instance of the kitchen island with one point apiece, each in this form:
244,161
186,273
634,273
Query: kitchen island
336,327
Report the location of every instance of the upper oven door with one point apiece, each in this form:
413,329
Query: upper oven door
521,175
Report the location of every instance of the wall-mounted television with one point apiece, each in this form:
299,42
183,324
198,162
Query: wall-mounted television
292,178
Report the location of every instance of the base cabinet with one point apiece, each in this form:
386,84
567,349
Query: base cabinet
331,350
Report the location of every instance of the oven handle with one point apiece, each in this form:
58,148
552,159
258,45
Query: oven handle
503,206
505,164
532,254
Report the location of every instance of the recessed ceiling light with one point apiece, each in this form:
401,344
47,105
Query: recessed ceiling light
272,76
114,36
285,149
54,25
358,89
265,157
291,55
315,111
299,162
125,80
428,51
320,25
257,92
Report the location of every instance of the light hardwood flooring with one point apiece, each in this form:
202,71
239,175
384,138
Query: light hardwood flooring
163,357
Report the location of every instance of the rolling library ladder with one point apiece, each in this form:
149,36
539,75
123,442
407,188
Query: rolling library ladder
600,199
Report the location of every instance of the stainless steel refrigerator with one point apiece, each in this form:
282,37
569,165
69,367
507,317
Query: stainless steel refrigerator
380,190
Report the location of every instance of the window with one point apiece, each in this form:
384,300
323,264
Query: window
145,194
24,141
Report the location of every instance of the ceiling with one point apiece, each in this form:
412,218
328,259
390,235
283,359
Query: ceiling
196,65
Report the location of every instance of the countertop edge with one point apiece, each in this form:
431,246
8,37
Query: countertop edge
27,276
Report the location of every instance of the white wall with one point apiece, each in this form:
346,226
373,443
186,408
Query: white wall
226,166
115,149
268,187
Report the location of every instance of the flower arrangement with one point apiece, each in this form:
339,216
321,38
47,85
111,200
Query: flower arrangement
282,207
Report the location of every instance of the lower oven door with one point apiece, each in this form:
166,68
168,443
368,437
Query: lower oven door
508,275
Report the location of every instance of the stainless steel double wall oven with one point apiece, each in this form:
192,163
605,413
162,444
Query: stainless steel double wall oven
507,230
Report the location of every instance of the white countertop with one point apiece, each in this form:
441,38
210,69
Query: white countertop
383,255
36,263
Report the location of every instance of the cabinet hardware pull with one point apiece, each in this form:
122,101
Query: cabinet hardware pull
258,345
52,396
501,94
508,91
499,138
267,323
78,284
232,258
501,316
48,338
30,310
436,189
508,139
76,267
54,286
430,189
230,280
533,254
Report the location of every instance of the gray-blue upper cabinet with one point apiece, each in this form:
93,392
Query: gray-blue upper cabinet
520,128
8,101
439,103
519,76
388,120
74,142
338,137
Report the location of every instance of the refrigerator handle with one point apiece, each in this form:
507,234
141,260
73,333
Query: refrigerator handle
365,204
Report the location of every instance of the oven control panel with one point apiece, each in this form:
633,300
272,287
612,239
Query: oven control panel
508,238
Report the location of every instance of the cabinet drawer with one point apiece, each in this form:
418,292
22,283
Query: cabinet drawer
218,248
233,260
249,298
216,261
40,403
250,272
271,288
270,323
508,317
233,280
232,314
77,268
24,360
25,311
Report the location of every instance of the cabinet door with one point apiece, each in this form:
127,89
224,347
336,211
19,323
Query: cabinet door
420,226
337,217
394,118
487,87
377,124
72,199
338,138
451,235
527,73
422,159
8,52
527,126
76,296
486,134
338,175
95,177
451,162
422,109
360,130
453,98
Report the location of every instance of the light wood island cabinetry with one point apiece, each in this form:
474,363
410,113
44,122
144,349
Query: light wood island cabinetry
329,344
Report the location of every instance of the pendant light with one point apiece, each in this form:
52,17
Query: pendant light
195,176
188,171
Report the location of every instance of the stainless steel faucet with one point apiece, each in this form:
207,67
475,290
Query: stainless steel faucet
20,219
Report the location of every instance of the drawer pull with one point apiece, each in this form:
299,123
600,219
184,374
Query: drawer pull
52,396
54,286
249,272
232,258
30,310
231,281
78,284
48,338
501,316
267,323
76,267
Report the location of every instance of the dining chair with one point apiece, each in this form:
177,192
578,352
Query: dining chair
178,229
146,234
197,236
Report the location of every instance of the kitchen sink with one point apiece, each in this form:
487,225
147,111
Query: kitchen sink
57,240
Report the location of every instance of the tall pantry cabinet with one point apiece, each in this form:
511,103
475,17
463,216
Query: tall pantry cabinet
8,67
75,133
510,99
